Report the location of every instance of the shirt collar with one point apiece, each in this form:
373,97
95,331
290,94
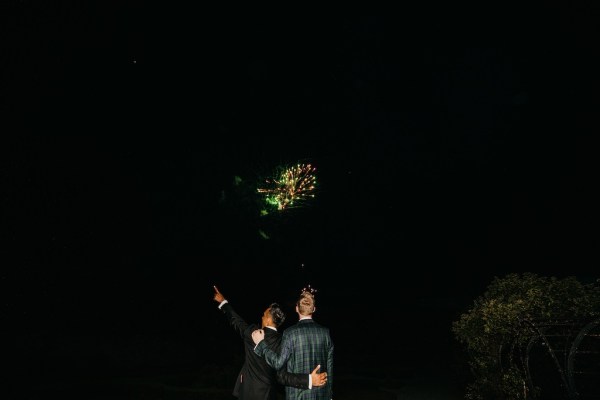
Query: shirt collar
271,327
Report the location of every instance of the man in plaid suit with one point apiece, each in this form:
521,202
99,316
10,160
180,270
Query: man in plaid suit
304,344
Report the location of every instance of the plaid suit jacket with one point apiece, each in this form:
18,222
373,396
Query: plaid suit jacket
304,346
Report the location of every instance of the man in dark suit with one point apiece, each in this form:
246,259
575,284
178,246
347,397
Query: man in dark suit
257,380
304,344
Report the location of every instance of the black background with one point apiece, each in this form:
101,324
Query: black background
450,148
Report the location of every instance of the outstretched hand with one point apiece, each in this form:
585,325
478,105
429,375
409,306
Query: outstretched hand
218,296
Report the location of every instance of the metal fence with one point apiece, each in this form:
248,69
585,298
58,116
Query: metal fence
560,359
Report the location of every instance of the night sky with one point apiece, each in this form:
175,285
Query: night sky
448,151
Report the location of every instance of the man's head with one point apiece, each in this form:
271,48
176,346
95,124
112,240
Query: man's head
273,316
305,305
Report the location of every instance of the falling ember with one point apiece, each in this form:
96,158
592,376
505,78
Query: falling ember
309,289
291,187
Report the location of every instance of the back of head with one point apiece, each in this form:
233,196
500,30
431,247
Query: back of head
277,314
306,303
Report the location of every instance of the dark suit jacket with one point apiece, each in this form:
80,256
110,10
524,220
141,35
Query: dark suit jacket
304,344
257,380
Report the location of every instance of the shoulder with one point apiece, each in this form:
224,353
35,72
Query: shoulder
303,326
270,332
292,330
251,328
272,338
320,328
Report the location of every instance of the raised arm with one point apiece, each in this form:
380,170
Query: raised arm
235,320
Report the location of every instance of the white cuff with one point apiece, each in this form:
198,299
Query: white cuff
309,381
223,303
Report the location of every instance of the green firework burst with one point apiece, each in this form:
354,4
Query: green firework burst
290,187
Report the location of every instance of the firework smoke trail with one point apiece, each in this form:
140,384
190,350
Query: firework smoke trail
291,186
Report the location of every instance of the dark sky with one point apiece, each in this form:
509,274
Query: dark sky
448,151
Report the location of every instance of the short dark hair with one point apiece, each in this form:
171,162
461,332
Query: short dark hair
277,314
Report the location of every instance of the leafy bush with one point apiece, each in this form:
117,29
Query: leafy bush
497,319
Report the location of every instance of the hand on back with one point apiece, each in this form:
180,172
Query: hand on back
258,335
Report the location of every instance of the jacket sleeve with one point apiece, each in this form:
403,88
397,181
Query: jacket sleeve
330,367
234,319
299,381
275,360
